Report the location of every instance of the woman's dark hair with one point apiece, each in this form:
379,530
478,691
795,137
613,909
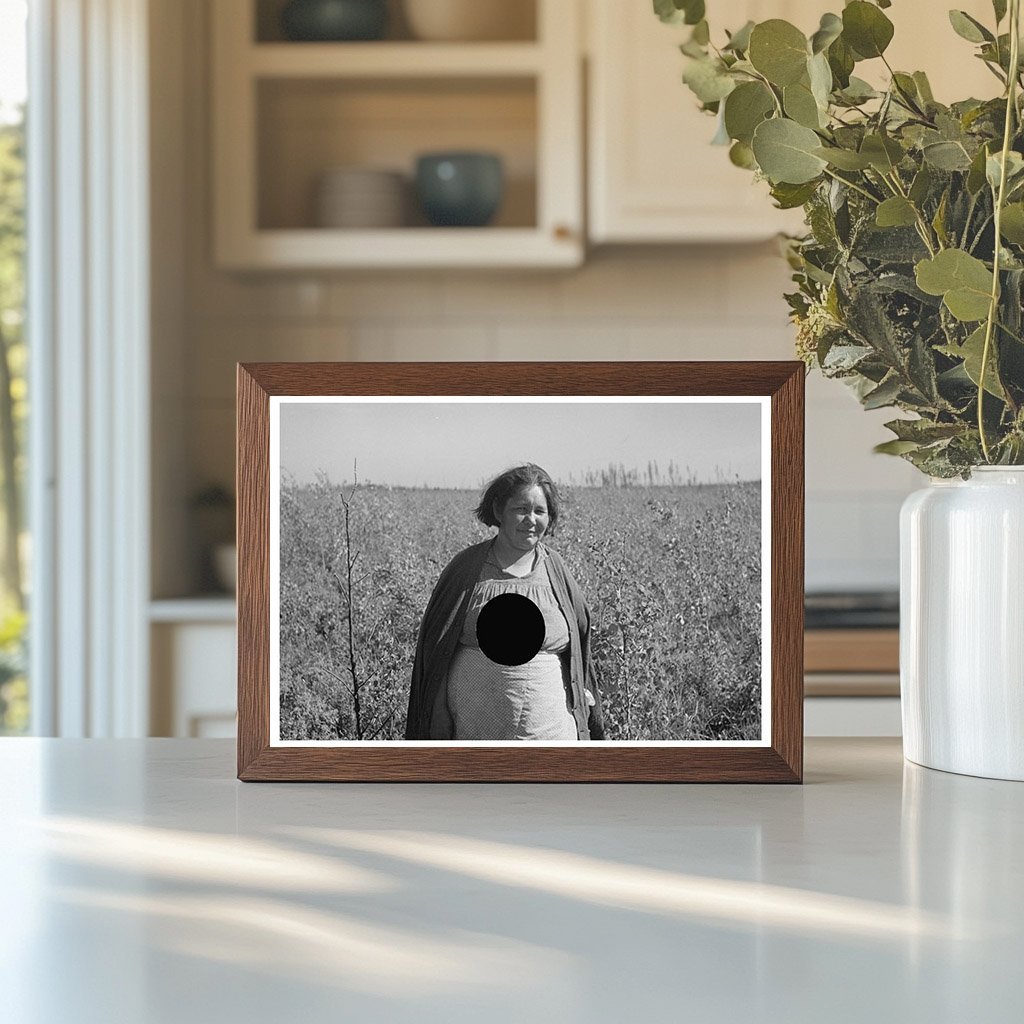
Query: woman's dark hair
502,487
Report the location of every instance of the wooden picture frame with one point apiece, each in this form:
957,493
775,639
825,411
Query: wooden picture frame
778,754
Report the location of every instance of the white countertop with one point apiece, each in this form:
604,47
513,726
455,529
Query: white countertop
143,884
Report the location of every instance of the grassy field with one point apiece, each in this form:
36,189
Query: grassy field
672,575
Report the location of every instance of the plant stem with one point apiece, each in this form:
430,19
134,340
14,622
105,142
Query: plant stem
922,225
970,215
993,308
1012,334
981,231
768,85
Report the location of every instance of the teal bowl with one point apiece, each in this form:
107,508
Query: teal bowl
460,189
332,21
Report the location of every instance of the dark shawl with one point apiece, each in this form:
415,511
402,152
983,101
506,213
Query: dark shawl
429,717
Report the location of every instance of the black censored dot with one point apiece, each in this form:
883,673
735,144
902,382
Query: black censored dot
510,629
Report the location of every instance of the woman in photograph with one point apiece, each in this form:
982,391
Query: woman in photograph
504,646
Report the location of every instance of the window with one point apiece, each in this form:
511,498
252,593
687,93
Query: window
14,549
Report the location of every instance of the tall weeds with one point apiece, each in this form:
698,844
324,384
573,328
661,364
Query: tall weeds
672,575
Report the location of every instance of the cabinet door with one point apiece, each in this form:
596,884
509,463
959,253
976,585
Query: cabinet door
653,174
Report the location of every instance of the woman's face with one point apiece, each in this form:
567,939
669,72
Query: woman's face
524,519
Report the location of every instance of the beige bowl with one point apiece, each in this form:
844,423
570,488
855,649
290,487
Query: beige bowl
359,197
471,20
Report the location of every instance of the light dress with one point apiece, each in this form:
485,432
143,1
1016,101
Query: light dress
489,701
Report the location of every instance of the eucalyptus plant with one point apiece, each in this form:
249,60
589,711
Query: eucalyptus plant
910,278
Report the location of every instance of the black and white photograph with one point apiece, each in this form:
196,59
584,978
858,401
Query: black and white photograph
458,571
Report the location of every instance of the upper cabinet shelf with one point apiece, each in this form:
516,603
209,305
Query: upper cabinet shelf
295,121
394,59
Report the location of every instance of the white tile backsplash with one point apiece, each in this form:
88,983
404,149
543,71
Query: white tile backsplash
367,297
718,302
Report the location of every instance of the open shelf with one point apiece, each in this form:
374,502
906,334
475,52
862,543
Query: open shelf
405,248
393,60
519,16
308,127
287,113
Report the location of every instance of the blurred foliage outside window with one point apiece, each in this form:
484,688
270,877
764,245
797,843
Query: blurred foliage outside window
14,702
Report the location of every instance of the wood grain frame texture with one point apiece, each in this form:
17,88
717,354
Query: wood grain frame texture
781,761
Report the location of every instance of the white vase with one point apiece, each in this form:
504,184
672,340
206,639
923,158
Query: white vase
962,624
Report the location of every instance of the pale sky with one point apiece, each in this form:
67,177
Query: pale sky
12,55
466,444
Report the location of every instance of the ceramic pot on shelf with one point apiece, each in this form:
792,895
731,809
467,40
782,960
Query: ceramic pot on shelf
460,189
334,20
466,21
962,624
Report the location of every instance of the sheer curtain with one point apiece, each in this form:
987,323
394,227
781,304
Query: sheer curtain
88,303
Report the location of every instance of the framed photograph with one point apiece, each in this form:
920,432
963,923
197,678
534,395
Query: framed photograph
520,572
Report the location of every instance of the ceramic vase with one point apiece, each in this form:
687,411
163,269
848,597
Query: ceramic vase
460,189
334,20
962,624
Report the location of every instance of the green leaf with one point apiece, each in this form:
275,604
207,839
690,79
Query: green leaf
866,29
895,447
923,431
946,156
857,91
820,76
971,352
883,153
885,394
778,50
721,136
800,105
676,12
1014,169
968,28
939,220
742,155
841,60
924,88
896,212
906,89
701,33
694,11
1011,226
785,152
997,53
668,11
739,41
789,197
999,7
844,159
707,80
976,175
745,108
963,281
921,185
829,30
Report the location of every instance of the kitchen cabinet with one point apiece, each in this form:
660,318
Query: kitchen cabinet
653,175
285,113
852,682
193,673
